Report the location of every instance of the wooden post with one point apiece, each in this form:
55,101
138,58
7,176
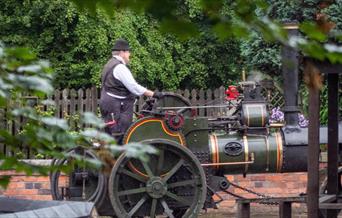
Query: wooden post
65,94
313,153
201,101
243,210
193,100
72,108
94,96
285,209
88,100
217,99
333,149
57,97
209,111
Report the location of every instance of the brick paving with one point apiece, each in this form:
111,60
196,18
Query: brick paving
37,187
286,184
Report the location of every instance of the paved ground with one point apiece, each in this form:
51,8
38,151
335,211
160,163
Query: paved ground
261,212
256,211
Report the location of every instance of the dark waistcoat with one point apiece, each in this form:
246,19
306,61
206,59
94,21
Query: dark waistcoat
110,83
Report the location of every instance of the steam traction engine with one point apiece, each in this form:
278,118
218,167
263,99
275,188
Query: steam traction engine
194,155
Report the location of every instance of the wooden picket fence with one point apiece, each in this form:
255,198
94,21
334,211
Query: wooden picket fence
70,103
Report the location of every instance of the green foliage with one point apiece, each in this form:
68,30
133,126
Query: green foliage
324,103
78,43
323,113
217,40
207,53
261,55
21,75
334,12
264,56
285,11
310,8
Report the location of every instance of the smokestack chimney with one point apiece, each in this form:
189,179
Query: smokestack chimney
290,62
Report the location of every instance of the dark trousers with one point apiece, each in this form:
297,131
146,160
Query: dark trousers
119,109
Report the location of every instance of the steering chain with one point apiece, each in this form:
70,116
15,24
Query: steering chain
262,196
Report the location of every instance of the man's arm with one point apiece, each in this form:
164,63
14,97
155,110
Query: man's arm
122,73
148,93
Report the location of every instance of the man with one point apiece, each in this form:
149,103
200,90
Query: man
119,90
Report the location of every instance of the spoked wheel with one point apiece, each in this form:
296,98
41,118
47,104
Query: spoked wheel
171,182
81,184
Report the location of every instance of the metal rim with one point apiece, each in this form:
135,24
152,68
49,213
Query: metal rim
184,187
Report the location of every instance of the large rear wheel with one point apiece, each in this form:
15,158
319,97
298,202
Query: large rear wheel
169,182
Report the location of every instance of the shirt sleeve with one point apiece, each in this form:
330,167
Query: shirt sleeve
122,73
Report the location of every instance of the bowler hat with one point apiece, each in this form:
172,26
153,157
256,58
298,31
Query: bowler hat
121,45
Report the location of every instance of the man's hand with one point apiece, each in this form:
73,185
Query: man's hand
158,95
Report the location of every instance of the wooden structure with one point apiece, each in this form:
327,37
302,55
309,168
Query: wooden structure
330,200
285,205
